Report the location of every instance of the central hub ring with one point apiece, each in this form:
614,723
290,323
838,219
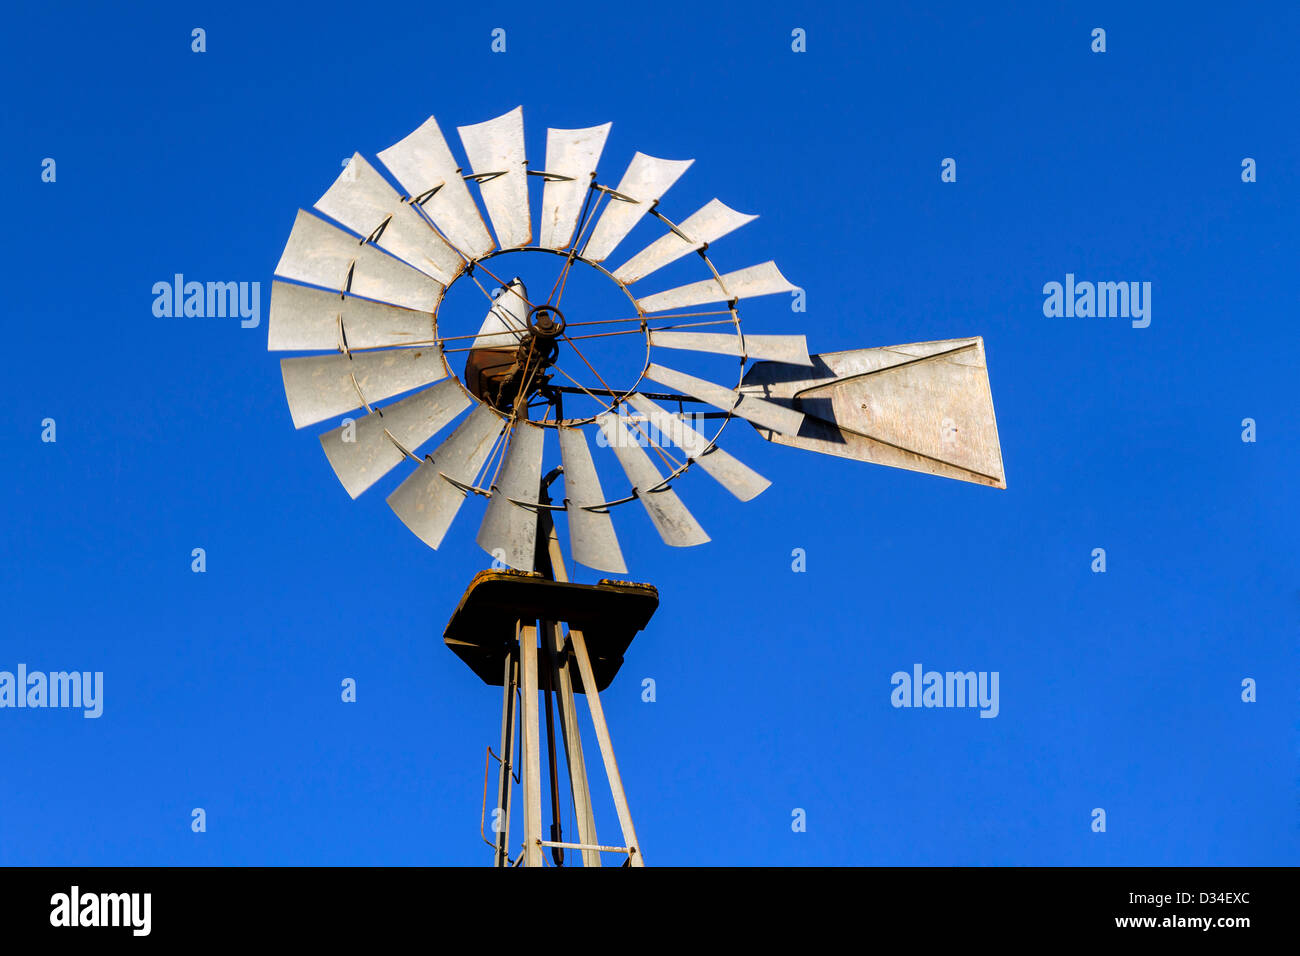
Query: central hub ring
546,321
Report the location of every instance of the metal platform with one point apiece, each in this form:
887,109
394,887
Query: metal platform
483,629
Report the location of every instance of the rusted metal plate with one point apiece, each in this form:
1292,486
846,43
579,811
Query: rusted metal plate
364,451
925,406
572,154
322,386
424,165
324,255
496,156
734,475
646,180
363,201
764,279
702,227
609,614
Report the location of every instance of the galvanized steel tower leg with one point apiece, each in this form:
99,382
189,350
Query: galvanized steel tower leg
532,770
507,755
579,646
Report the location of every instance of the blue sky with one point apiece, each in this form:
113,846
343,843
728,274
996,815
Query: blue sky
1119,691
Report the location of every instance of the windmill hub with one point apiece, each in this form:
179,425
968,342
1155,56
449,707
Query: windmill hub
546,321
505,378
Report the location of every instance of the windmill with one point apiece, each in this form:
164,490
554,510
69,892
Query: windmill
484,413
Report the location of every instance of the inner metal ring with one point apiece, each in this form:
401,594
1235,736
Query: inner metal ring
611,403
616,399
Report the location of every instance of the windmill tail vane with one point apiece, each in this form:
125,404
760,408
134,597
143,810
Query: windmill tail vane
360,286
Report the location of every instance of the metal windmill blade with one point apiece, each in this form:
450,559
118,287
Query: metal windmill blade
496,153
644,183
450,406
509,528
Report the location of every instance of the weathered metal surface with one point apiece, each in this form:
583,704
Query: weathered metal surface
764,279
562,671
579,650
593,848
706,225
924,406
780,348
362,200
509,529
486,632
481,630
496,156
506,320
427,502
530,749
571,153
646,180
325,255
322,386
509,719
591,532
424,165
745,404
304,319
675,524
364,451
737,477
577,641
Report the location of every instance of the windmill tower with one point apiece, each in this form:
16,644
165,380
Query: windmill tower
366,291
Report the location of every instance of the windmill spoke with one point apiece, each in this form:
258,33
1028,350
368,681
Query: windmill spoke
574,247
583,389
668,460
666,328
657,396
480,286
588,218
650,316
494,278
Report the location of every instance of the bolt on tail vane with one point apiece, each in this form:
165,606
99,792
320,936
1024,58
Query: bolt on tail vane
362,280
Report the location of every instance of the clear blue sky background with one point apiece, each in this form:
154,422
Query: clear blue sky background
1118,690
